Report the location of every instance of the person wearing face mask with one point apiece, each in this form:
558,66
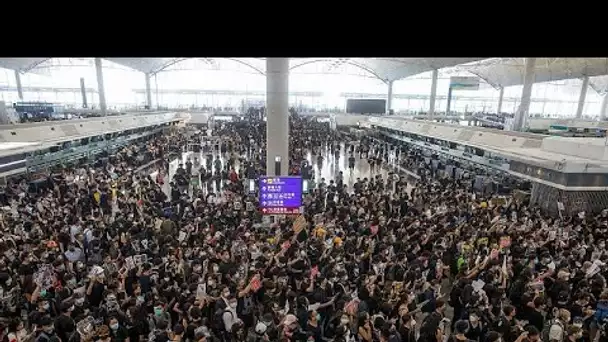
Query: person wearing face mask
118,333
44,309
476,329
230,317
47,331
313,326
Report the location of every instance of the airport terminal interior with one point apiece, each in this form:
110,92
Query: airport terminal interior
304,199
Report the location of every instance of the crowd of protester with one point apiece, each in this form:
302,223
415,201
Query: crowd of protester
104,253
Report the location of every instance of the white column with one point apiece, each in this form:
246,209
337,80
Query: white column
581,98
148,92
389,99
500,97
18,83
433,94
277,111
100,89
83,93
604,108
521,116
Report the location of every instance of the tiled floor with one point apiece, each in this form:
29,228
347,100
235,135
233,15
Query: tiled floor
328,170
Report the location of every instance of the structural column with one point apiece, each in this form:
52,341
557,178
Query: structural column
604,108
433,94
277,112
19,87
389,99
148,92
500,97
581,98
100,89
521,116
83,93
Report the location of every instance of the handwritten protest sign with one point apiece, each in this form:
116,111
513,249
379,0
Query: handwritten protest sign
86,327
299,224
44,276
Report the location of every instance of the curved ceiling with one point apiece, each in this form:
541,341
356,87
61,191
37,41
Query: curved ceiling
505,72
386,69
498,72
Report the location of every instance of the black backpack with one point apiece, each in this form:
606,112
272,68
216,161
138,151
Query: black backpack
219,318
547,329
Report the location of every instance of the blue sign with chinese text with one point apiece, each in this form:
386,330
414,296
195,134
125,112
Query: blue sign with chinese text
280,195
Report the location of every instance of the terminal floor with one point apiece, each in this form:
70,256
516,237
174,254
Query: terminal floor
328,170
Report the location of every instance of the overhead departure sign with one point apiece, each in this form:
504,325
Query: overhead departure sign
280,195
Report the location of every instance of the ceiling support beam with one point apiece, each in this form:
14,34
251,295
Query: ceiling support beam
521,116
581,98
148,92
389,99
604,108
277,112
18,83
100,89
433,94
501,95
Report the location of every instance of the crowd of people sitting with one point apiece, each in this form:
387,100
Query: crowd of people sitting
110,256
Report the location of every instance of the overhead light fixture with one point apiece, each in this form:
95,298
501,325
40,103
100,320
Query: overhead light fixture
337,63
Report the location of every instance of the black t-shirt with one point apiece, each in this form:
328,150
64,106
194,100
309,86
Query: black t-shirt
536,319
119,334
96,295
189,333
161,337
146,283
65,327
35,316
226,267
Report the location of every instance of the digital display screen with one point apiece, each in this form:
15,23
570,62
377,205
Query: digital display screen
280,195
